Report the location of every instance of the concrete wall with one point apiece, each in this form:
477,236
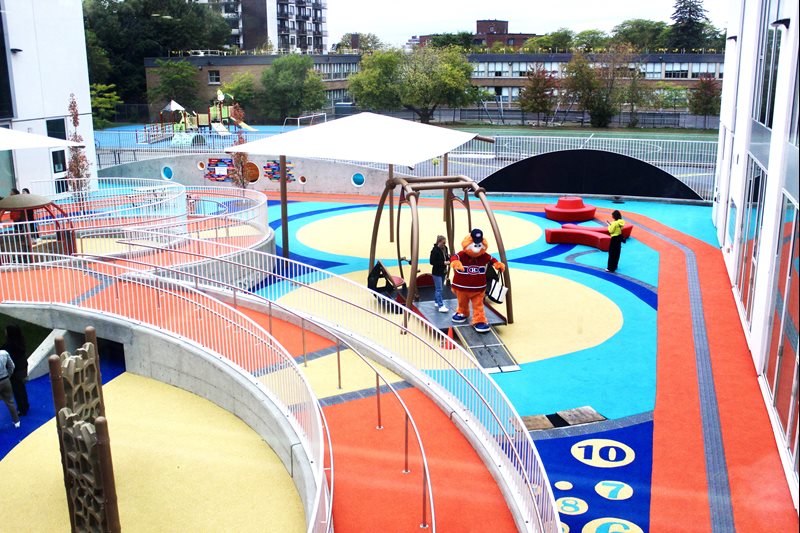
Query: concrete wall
151,353
320,176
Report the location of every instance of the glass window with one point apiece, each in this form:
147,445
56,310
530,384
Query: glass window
720,69
652,71
702,70
213,77
57,128
59,162
749,234
767,69
676,70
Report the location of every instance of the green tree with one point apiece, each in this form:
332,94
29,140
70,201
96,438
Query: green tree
419,81
377,84
535,44
561,39
99,65
704,98
642,34
177,80
688,29
668,96
367,42
713,38
291,87
601,87
132,30
538,96
590,40
636,94
242,86
104,104
462,39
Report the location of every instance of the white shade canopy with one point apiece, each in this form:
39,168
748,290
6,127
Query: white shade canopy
20,140
173,106
363,137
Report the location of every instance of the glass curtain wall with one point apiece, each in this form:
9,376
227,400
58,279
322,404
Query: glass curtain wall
749,233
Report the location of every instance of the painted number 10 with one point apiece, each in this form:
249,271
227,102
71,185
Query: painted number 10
603,453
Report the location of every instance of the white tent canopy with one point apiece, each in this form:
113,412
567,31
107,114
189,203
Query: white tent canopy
363,137
173,106
20,140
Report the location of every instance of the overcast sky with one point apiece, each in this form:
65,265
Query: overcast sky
394,22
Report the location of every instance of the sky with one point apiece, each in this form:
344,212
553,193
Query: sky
395,21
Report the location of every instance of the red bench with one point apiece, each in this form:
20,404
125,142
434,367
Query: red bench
596,236
570,209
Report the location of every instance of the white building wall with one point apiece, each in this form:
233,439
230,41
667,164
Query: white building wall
51,65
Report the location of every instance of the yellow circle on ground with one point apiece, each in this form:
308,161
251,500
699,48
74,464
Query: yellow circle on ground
552,315
180,464
571,506
350,234
603,453
611,525
614,490
562,485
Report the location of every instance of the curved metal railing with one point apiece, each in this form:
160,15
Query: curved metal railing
213,326
405,338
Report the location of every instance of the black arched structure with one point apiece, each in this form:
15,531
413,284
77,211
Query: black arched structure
588,172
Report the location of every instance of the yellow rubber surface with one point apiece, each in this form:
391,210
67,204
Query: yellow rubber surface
354,231
180,462
322,374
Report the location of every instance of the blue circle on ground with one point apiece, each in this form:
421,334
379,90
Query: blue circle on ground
358,179
166,172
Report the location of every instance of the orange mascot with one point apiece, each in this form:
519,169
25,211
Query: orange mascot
469,281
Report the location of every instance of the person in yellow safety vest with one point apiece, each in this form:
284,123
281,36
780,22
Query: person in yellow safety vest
615,248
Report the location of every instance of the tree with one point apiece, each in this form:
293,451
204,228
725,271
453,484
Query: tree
367,42
668,96
129,31
636,94
419,81
641,34
291,87
462,39
601,87
713,38
104,104
590,40
99,65
704,98
561,39
240,159
538,95
687,30
78,165
242,86
377,84
177,80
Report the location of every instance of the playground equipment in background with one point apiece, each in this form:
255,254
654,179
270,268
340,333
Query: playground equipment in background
272,170
570,209
305,120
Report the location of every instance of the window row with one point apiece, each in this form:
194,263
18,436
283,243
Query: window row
657,71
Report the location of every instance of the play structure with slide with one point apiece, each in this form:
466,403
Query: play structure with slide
187,128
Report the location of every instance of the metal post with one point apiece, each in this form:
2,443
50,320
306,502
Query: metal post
303,336
378,396
61,347
406,469
424,523
107,475
339,362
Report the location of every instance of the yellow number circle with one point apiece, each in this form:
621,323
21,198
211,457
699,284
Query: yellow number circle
614,490
603,453
571,505
564,528
611,525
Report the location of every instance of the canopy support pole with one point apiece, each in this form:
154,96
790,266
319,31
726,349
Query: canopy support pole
284,210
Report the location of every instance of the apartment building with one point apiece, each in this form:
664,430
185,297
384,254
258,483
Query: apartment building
286,25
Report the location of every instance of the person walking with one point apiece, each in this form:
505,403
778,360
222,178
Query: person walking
15,347
6,394
440,259
615,248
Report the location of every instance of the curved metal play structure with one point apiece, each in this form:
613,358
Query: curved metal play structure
410,189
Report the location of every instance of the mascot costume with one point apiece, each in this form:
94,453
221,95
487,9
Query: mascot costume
469,281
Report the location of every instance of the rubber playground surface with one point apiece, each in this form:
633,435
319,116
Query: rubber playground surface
656,349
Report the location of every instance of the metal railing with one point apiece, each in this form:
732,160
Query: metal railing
195,318
402,337
693,162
